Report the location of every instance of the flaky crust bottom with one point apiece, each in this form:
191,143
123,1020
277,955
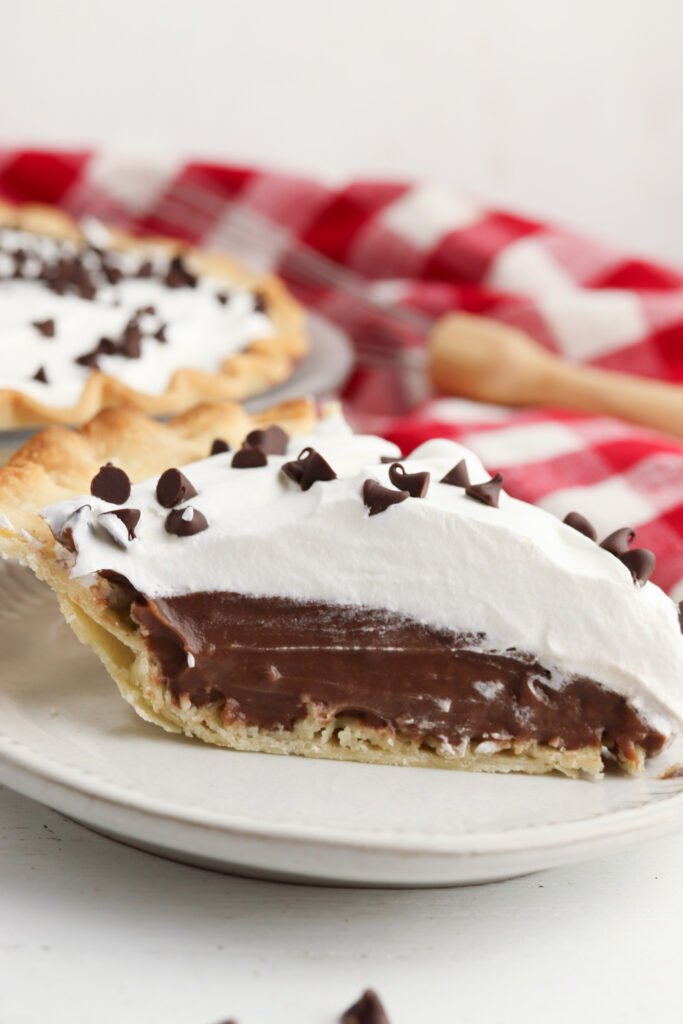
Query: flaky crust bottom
259,366
59,463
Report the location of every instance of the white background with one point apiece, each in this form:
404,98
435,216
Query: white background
570,110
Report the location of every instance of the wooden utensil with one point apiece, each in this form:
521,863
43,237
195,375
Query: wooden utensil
482,359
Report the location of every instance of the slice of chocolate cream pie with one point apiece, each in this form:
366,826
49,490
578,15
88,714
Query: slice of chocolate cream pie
280,584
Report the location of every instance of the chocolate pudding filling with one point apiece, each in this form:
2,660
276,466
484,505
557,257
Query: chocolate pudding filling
271,662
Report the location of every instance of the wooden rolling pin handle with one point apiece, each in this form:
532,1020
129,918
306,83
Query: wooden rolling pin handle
482,359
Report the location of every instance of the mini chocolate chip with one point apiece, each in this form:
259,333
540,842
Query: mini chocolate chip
249,458
40,375
368,1010
132,336
130,518
160,335
184,522
314,467
260,302
106,347
387,459
617,543
416,484
178,275
294,470
174,487
112,274
488,492
378,498
457,476
145,269
89,359
680,615
580,523
273,440
45,327
66,536
111,484
219,446
641,564
146,311
222,297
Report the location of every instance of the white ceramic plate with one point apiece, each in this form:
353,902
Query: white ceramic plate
68,740
318,374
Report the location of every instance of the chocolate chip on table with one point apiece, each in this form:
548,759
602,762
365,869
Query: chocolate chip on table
488,492
457,476
368,1010
219,446
184,522
416,484
641,564
273,440
378,498
45,327
580,523
308,468
174,487
130,517
249,458
40,375
617,543
111,484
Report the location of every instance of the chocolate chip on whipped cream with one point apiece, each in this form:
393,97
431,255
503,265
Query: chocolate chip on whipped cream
378,498
40,375
640,563
618,542
111,484
179,276
457,476
416,484
249,457
173,488
488,492
184,522
308,468
219,446
580,523
45,327
120,524
273,440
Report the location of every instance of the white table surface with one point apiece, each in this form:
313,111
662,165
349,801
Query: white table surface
91,930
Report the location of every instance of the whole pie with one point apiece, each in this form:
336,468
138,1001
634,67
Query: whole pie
91,318
280,584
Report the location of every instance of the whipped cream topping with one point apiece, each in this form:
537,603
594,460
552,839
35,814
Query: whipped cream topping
514,573
200,331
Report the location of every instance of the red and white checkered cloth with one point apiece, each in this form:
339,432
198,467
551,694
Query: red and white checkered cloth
422,248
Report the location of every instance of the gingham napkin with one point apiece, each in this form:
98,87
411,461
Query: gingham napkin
412,252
